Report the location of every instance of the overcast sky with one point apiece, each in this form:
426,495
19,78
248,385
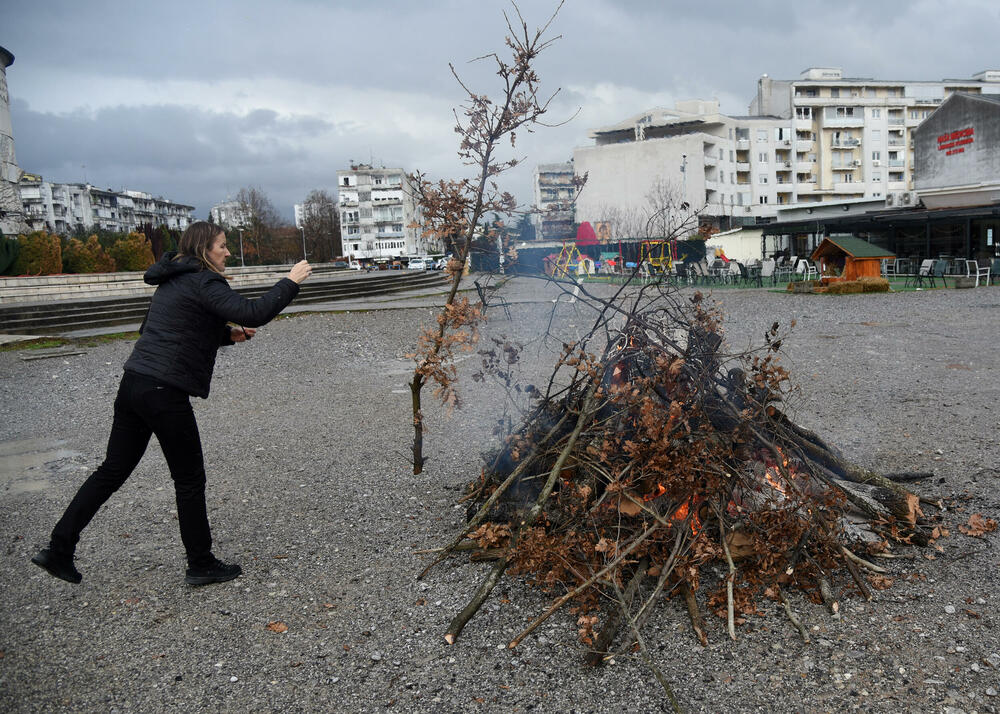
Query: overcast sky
193,100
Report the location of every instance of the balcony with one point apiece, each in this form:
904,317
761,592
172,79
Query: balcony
896,121
849,166
804,167
710,160
845,143
897,163
802,145
742,144
743,166
893,141
843,121
849,187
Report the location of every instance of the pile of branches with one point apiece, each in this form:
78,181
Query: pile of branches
659,461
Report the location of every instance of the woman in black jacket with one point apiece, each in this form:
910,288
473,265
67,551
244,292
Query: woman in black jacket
172,361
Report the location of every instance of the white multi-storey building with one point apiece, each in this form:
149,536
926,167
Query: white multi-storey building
555,192
377,214
725,167
230,214
64,207
852,138
822,137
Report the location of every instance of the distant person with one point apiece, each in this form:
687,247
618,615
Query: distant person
172,361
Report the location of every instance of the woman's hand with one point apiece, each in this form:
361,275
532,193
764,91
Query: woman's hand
241,334
300,271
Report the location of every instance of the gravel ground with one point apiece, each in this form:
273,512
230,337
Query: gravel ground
306,434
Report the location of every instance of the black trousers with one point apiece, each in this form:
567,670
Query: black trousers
144,407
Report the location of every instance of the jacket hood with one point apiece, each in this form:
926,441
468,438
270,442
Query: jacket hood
168,268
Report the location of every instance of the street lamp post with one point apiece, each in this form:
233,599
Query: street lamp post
242,263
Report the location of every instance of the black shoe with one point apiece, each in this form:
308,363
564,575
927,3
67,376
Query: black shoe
59,566
217,572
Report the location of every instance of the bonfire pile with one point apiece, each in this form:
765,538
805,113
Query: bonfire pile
647,469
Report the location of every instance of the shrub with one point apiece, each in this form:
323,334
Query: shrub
87,257
132,252
39,254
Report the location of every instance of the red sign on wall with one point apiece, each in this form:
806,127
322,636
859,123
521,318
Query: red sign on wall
954,142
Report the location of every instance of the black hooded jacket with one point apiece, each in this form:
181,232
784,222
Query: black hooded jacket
186,322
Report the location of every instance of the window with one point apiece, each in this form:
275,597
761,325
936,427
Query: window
876,136
722,154
732,156
877,176
762,157
347,181
876,156
803,112
378,180
730,132
762,135
876,113
762,178
870,93
834,91
732,177
763,199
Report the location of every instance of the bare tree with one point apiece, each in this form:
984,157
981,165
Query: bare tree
260,219
321,222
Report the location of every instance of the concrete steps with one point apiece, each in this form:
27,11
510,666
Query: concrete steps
59,316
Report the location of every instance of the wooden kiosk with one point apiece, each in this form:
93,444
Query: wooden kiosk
853,257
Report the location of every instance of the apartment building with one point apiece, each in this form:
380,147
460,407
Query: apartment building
554,193
852,137
723,166
64,207
377,213
230,214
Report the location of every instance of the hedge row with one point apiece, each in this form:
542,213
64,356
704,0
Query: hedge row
42,253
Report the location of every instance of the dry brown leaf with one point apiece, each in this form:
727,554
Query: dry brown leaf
978,526
628,507
880,582
277,626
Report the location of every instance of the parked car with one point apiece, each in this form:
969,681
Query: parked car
417,264
339,264
355,265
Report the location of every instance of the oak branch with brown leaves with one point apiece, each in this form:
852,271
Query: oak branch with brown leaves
452,210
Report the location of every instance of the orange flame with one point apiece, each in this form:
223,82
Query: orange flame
660,490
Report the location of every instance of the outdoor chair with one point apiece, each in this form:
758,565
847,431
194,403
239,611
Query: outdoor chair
783,272
888,269
490,297
767,270
682,274
973,270
750,275
701,273
940,270
924,274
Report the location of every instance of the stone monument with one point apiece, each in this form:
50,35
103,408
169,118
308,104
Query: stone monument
11,210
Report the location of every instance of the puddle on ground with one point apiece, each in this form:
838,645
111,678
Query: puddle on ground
25,464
